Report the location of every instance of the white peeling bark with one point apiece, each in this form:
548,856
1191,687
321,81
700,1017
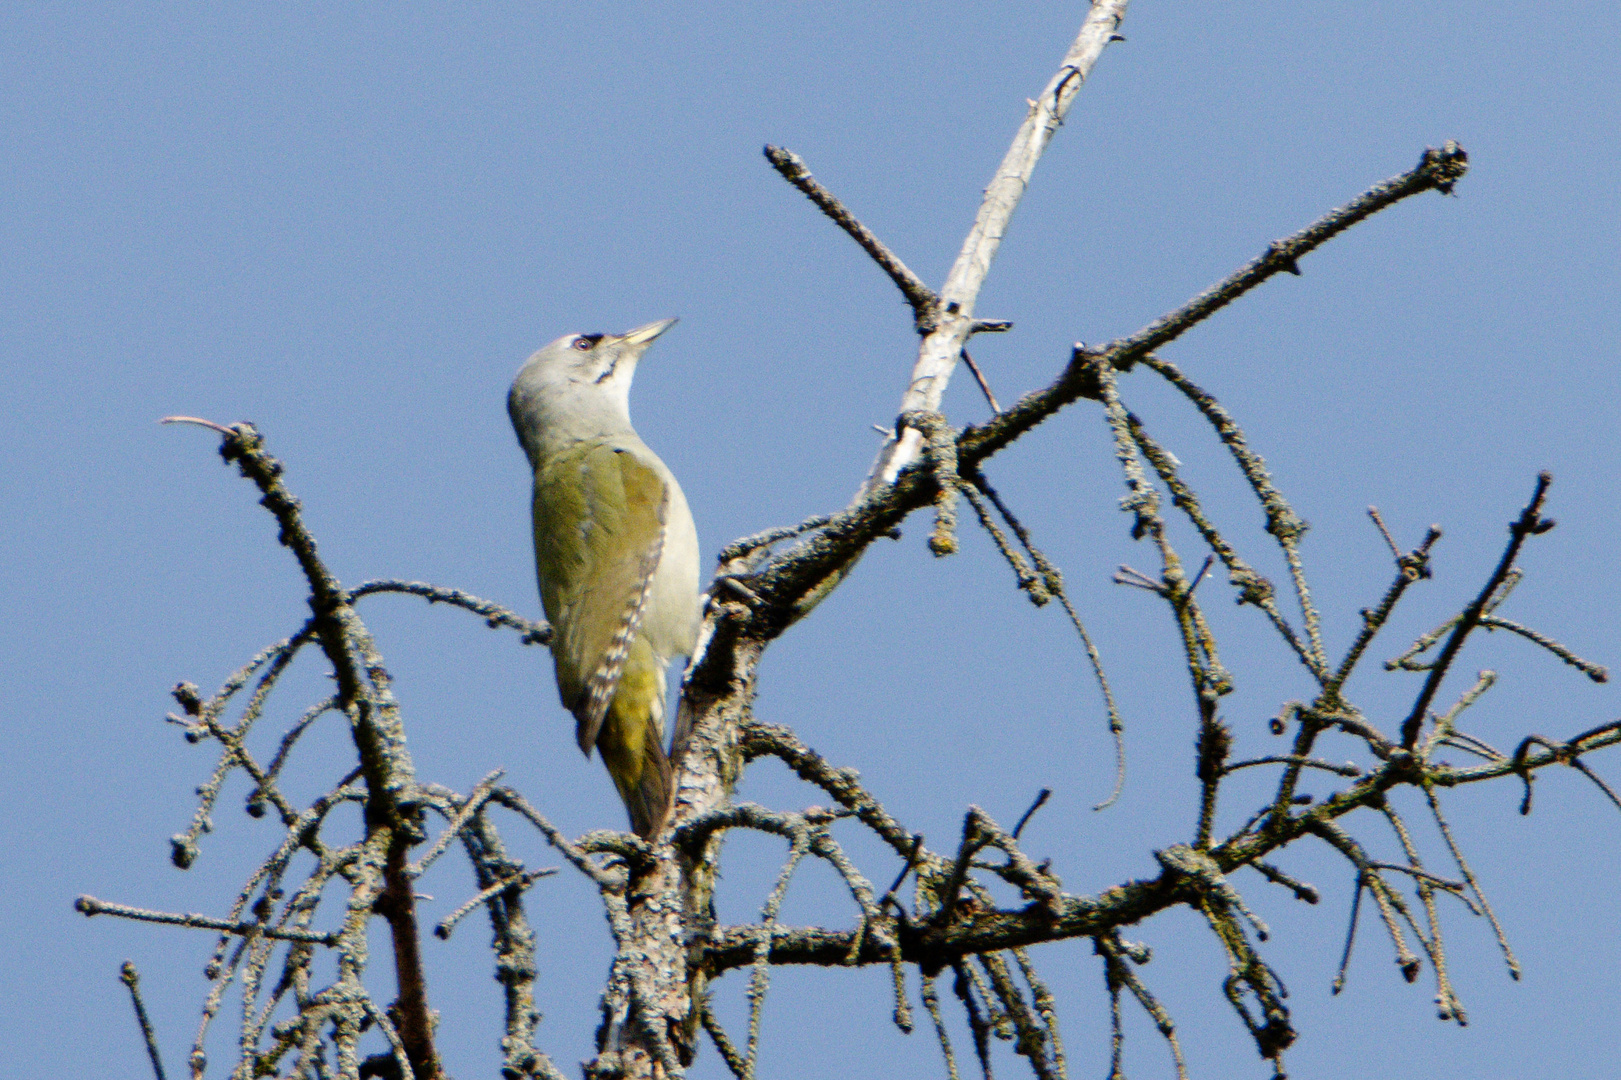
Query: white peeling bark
937,354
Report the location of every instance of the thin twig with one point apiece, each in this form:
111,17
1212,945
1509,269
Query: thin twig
920,296
494,615
1046,1008
980,1025
910,864
1041,800
132,979
475,801
759,978
1384,531
723,1043
1387,901
509,885
576,855
199,422
984,386
1347,769
1530,522
1411,567
1469,876
1597,672
931,1002
1047,582
1301,890
1446,998
1118,973
748,545
1350,935
1286,526
1445,723
89,905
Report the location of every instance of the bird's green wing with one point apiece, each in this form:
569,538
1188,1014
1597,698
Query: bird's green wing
599,516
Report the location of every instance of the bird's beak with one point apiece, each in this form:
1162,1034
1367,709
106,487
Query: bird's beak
644,334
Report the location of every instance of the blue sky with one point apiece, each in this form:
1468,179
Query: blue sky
351,224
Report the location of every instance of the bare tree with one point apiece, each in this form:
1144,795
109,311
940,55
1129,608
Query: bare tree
971,907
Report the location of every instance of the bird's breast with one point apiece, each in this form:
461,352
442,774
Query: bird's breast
671,621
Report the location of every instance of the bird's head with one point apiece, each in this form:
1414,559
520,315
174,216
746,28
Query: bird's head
578,386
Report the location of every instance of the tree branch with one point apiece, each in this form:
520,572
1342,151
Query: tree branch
1530,522
920,296
379,879
943,344
1437,170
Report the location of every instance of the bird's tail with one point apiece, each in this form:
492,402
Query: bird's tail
631,742
648,800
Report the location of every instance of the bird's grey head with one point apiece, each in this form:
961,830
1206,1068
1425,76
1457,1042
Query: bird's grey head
578,387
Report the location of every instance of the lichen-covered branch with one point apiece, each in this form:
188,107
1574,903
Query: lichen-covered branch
1529,523
1437,170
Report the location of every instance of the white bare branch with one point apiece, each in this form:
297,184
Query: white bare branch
943,344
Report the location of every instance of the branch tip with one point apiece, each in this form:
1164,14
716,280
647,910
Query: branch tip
199,422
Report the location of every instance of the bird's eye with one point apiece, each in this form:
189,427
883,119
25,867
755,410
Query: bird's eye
583,344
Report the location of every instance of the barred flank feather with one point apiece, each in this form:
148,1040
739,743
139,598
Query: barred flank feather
605,679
